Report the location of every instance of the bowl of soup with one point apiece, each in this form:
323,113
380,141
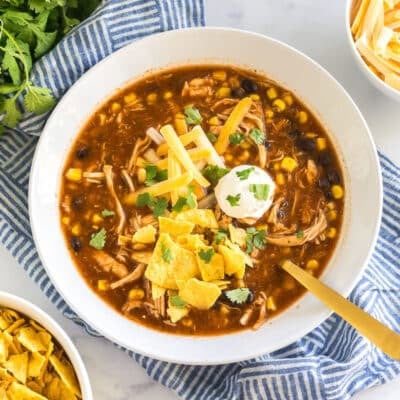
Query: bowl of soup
171,182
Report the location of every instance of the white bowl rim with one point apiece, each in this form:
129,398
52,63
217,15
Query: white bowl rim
30,310
303,330
378,82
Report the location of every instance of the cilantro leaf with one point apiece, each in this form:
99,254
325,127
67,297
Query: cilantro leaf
220,236
260,190
38,99
233,200
211,137
244,174
206,255
98,239
189,201
257,136
192,116
255,239
236,138
143,200
10,62
154,175
300,234
238,296
177,301
11,113
166,253
107,213
213,173
157,205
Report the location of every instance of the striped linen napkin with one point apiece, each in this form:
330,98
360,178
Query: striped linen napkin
331,363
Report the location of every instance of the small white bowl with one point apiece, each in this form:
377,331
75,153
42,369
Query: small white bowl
35,313
374,79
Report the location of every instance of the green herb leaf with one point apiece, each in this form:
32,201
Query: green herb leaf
144,199
236,138
107,213
98,239
192,116
157,205
11,113
300,234
238,296
244,174
260,190
213,173
154,175
211,137
206,255
189,201
220,236
166,253
257,136
233,200
38,99
255,239
177,301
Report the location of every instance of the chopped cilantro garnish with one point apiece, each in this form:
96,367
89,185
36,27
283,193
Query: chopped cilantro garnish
206,255
98,239
257,136
166,253
192,116
300,234
213,173
260,190
238,296
236,138
220,236
255,239
177,301
107,213
211,137
144,199
157,205
154,175
244,174
233,200
189,201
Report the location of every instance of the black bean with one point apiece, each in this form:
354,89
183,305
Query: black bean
305,144
267,145
77,203
325,158
250,298
294,133
82,152
281,214
329,195
249,86
76,244
238,93
333,177
323,183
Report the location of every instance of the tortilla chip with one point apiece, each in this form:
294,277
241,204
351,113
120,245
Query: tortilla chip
16,391
212,270
157,291
36,364
31,339
199,294
175,227
67,375
57,390
18,366
191,242
177,313
3,349
204,218
146,235
235,261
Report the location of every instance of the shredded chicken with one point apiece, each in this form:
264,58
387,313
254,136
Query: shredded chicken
110,185
130,305
128,180
198,87
248,221
208,202
99,175
311,172
273,217
309,234
109,264
141,145
260,302
136,274
160,305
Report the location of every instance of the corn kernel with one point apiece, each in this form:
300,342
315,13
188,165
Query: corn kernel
310,135
279,104
139,246
234,81
289,164
286,250
240,283
270,304
224,309
255,97
66,220
337,192
167,95
288,99
331,215
180,124
269,113
151,98
302,117
244,156
187,322
321,143
331,232
214,121
74,174
228,157
95,227
76,230
225,84
276,166
115,107
103,285
223,92
262,227
96,219
312,264
130,98
245,144
141,174
136,294
219,75
331,205
272,93
280,179
102,119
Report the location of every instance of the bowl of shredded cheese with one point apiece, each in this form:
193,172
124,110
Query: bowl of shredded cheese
373,31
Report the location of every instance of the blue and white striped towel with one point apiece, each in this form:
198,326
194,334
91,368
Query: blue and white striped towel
332,362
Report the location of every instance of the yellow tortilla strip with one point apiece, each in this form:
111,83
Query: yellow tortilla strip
185,139
36,364
212,270
31,339
199,294
17,364
204,218
16,391
175,227
195,155
234,260
67,375
174,170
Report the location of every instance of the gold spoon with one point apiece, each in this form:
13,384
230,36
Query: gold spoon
382,336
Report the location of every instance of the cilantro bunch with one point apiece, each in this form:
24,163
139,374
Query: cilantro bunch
28,30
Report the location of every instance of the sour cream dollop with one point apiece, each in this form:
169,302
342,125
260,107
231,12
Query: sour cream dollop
245,191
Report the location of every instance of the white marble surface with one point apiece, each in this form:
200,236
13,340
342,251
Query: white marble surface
313,26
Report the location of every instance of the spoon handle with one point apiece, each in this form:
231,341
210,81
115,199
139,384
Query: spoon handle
382,336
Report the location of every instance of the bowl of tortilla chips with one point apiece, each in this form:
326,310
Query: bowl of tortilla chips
38,361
